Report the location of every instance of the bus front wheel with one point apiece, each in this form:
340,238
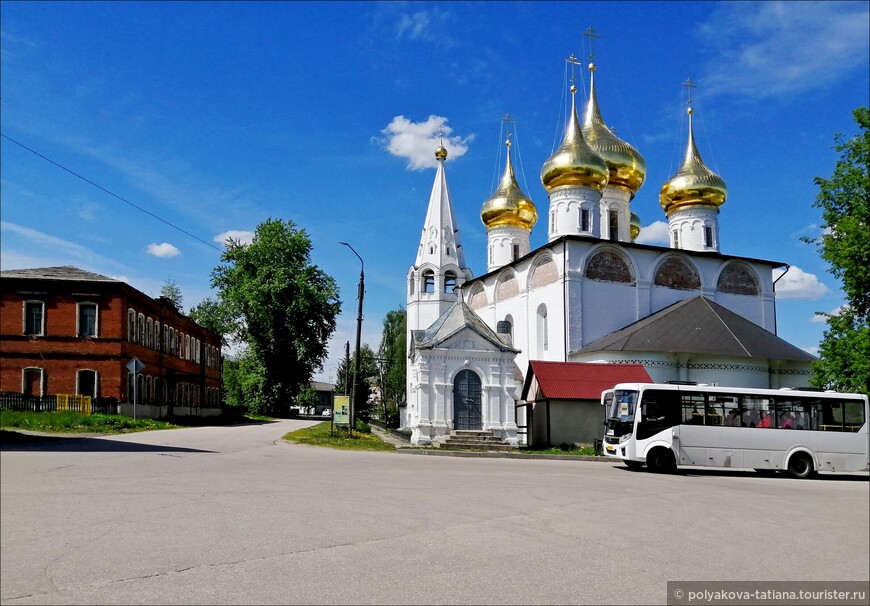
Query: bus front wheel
660,460
800,466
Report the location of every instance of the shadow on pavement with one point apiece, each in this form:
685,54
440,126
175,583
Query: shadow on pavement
16,441
752,474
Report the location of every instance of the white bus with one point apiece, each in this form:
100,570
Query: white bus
664,425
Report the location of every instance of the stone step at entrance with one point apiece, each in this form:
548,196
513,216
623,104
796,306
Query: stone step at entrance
461,439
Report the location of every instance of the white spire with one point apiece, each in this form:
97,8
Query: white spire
439,242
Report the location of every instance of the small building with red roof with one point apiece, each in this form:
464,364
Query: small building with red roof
563,399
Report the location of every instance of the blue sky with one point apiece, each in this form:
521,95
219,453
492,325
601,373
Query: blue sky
217,116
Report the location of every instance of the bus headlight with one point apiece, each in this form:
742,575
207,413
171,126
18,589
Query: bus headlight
624,438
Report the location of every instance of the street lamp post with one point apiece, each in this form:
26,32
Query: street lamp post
359,318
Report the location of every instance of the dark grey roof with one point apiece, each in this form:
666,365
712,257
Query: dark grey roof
699,326
453,320
65,272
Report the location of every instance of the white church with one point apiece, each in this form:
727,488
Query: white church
591,294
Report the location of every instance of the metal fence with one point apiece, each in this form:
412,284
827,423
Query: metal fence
59,402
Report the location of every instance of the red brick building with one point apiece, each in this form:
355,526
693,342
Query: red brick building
64,330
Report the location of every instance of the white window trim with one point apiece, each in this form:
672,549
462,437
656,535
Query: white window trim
79,319
41,378
96,382
24,305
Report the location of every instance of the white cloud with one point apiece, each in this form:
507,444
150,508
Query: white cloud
764,49
43,239
244,237
163,250
655,233
88,211
421,25
822,318
24,247
798,284
417,141
814,351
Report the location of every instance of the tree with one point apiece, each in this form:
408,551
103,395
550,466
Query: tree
171,293
368,365
216,316
282,306
844,200
393,356
243,382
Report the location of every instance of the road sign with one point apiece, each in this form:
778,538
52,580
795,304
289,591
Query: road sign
135,365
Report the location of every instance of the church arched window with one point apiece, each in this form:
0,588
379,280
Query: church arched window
677,273
449,282
411,285
608,266
506,326
738,279
543,337
429,281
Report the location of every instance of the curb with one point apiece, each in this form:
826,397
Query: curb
500,455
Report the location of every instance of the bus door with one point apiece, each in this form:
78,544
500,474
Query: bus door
689,433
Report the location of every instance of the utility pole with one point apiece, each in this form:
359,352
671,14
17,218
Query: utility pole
359,319
346,367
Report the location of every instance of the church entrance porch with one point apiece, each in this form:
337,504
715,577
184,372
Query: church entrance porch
467,411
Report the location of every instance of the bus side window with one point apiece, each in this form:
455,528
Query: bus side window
752,407
831,415
693,408
854,415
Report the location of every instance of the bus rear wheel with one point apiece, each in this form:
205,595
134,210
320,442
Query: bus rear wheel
800,466
660,460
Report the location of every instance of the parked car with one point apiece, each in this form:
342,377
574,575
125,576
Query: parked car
327,412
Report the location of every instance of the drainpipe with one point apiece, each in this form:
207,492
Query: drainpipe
787,267
565,295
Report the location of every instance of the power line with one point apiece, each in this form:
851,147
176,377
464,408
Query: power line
100,187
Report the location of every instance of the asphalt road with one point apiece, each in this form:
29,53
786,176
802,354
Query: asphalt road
232,515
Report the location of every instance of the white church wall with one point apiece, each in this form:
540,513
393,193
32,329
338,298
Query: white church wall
661,297
728,372
607,306
791,374
751,308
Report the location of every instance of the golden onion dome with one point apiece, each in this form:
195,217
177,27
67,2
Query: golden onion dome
440,153
694,184
634,226
627,167
574,164
509,205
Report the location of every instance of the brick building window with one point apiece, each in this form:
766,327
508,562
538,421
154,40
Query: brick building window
31,382
131,325
34,318
149,332
87,320
87,383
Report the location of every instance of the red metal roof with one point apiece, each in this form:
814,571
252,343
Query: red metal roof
579,380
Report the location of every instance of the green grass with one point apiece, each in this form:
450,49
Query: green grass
319,435
73,422
581,451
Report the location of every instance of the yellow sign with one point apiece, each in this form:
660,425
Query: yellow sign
341,410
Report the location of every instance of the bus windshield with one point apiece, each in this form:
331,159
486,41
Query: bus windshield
620,419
